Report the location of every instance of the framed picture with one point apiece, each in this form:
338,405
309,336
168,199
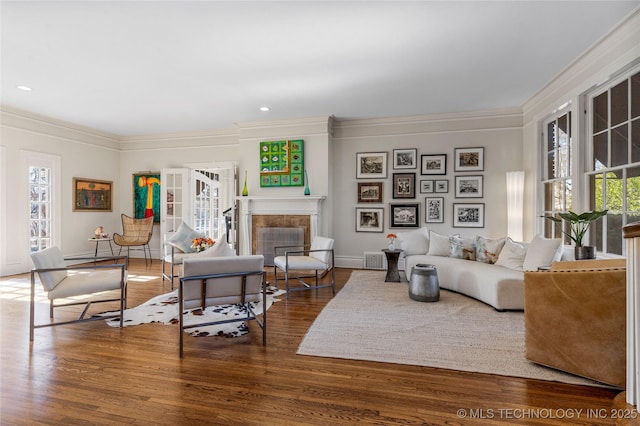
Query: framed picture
434,164
369,192
371,165
146,195
281,163
434,209
369,220
405,158
426,186
405,215
91,195
468,215
442,185
404,185
469,159
469,186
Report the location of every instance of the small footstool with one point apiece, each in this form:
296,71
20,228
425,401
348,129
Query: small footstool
423,284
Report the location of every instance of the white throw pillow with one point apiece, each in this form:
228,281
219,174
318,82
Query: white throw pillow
219,249
541,252
439,244
462,248
488,249
414,242
512,255
183,237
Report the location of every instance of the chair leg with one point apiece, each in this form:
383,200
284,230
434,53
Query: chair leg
32,307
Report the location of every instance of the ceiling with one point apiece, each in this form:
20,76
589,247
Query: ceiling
149,67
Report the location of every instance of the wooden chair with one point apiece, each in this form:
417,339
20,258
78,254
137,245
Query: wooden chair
61,281
302,260
135,232
222,281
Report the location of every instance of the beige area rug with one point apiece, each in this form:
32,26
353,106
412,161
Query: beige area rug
376,321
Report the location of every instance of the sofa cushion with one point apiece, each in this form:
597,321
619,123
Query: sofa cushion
541,252
512,255
462,248
219,249
183,237
414,242
439,244
488,249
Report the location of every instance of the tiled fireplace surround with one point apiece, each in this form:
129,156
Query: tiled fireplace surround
282,212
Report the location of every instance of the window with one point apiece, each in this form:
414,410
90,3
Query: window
557,183
614,166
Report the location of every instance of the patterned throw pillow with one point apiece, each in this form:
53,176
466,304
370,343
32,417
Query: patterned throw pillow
462,248
183,237
488,249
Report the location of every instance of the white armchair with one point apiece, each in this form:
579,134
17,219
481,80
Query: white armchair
301,260
222,281
61,281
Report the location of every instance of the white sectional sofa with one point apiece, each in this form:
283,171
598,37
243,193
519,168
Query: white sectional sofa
496,278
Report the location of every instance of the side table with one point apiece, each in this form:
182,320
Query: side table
392,265
98,241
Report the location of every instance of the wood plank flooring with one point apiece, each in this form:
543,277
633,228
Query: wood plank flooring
94,374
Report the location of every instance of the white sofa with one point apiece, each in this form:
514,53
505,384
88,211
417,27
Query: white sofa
499,284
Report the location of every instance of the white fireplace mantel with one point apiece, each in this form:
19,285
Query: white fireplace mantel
310,205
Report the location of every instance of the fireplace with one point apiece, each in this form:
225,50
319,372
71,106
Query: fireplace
277,212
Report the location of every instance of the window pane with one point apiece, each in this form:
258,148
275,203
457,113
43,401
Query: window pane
597,192
619,103
614,233
619,146
551,136
614,192
600,113
550,166
633,191
558,205
548,197
635,96
568,198
635,141
600,151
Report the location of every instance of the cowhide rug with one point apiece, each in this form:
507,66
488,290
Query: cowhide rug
164,309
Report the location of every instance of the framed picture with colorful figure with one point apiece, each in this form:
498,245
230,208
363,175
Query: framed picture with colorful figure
146,195
282,163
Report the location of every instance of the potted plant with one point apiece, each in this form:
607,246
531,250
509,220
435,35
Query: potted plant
579,225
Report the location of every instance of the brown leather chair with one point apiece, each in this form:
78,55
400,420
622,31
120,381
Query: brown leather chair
575,318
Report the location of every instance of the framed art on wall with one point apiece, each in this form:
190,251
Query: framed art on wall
468,215
282,163
442,185
369,219
91,195
468,159
434,209
369,192
405,158
426,186
404,185
146,195
405,215
469,186
371,165
433,164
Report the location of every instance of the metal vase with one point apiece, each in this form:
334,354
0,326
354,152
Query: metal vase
585,252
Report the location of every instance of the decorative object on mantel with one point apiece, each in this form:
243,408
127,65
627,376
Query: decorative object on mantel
579,224
306,180
245,192
392,241
282,163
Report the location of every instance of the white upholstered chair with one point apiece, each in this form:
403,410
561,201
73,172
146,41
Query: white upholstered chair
221,281
297,262
61,281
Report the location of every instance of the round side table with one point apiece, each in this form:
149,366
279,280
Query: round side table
392,265
98,241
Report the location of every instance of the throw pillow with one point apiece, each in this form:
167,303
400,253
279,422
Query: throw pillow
512,255
219,249
414,242
438,244
542,252
462,248
183,237
488,249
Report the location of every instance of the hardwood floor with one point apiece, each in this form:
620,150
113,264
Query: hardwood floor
94,374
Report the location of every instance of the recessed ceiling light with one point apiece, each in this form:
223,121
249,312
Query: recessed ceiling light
25,88
264,108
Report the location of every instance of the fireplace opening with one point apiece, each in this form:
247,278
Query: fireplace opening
269,237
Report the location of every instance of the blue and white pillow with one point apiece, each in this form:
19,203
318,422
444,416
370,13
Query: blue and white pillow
462,248
183,237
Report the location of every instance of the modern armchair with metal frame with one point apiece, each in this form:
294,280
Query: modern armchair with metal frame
61,281
135,232
301,260
221,281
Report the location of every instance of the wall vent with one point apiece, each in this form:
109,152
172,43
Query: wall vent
374,260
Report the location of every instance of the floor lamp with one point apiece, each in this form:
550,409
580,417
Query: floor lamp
515,196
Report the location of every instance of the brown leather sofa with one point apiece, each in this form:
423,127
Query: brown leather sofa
575,318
